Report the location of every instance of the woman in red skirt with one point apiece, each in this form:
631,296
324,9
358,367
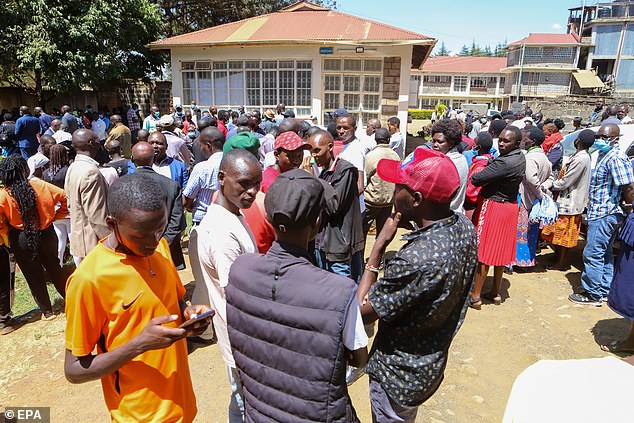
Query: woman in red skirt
497,212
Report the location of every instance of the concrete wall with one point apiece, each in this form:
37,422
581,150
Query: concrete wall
568,107
547,57
550,84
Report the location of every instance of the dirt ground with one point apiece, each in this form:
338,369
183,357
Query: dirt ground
535,322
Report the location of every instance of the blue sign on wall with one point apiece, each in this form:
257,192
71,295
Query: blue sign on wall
325,50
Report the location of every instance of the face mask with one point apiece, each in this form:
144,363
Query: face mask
157,114
100,116
602,145
483,121
90,110
191,135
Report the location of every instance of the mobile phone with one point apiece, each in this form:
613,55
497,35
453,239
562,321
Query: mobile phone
198,318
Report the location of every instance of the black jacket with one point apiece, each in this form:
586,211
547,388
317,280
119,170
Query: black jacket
341,231
176,218
501,179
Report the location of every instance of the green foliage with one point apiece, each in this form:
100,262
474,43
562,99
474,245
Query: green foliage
476,50
67,44
183,16
442,51
418,114
440,110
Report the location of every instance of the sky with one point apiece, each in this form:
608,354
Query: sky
458,22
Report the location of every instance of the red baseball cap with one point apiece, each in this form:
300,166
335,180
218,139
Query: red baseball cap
429,172
289,141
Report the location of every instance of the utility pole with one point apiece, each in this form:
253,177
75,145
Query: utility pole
519,77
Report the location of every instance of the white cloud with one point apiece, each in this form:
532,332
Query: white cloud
556,26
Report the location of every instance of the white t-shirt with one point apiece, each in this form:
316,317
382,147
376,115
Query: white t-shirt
552,391
353,153
457,204
99,128
354,334
222,237
61,136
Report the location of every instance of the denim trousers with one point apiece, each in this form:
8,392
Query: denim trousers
352,268
236,405
598,258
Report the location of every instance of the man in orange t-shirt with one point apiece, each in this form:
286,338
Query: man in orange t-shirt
126,300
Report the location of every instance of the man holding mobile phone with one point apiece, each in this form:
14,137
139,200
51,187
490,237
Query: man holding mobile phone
126,299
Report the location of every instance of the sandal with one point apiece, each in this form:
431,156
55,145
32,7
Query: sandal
497,299
475,303
48,315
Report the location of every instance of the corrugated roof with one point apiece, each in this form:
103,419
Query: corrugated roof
548,39
464,64
299,22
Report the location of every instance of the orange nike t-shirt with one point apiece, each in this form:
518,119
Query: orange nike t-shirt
110,298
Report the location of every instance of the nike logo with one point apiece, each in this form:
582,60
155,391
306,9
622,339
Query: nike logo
127,306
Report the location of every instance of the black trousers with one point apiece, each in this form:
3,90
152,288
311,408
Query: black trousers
7,281
35,266
379,214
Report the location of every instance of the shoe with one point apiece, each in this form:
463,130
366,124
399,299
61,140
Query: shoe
353,374
48,315
508,269
475,303
584,299
8,327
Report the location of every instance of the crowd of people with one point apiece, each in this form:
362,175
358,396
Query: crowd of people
281,210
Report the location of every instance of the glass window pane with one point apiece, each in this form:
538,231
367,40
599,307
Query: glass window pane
220,89
253,88
187,65
270,64
220,65
332,64
351,101
269,84
204,79
235,65
368,116
304,64
204,97
371,102
373,65
303,86
352,64
372,84
331,101
203,65
286,64
327,119
236,88
286,85
351,83
189,80
303,111
332,82
254,64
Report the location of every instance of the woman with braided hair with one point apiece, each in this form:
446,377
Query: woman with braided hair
27,211
56,175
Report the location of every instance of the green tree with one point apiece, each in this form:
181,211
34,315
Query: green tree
61,45
464,51
442,51
181,16
499,49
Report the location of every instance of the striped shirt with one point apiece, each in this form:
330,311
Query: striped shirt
202,184
612,171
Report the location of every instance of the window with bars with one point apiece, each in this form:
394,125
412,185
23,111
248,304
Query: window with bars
562,52
460,84
253,83
354,84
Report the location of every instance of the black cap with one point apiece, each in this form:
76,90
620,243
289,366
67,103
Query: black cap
289,114
535,134
296,199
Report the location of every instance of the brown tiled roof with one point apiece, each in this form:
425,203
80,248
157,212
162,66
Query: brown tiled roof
548,39
300,22
464,64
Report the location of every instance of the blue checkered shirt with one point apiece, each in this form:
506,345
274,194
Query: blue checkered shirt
613,170
202,184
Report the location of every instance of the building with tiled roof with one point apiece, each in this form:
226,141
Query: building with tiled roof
311,58
458,80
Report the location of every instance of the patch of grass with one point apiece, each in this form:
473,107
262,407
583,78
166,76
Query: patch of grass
23,301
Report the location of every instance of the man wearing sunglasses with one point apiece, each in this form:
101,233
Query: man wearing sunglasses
611,181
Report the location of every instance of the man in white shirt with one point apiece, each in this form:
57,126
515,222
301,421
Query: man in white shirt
98,127
59,131
397,142
223,235
367,141
176,146
352,150
622,114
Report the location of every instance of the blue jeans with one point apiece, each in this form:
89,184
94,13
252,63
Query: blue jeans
598,258
236,405
352,268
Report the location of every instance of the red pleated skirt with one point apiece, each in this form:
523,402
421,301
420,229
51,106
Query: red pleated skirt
496,230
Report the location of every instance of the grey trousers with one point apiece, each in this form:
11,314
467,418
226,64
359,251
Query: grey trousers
385,410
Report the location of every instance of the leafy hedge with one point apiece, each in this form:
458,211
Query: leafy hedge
419,114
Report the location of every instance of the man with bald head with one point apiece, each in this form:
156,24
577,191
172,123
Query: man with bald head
611,181
121,133
368,142
611,112
27,128
223,235
164,165
87,191
143,158
44,118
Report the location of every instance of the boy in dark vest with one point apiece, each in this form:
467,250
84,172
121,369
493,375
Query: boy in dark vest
293,327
